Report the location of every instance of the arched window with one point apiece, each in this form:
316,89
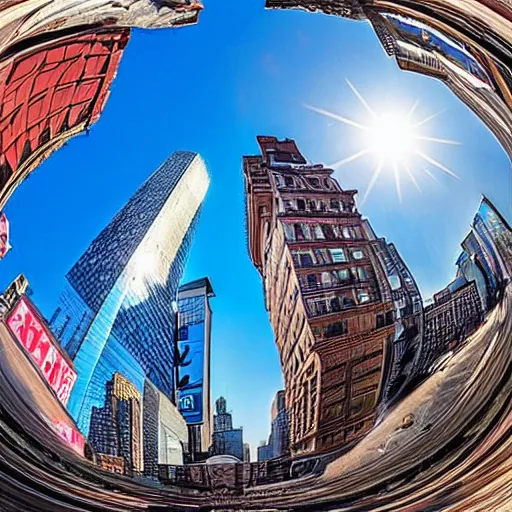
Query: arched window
314,182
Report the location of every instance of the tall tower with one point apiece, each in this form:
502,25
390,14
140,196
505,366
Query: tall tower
280,426
116,428
223,420
326,292
226,439
194,340
116,312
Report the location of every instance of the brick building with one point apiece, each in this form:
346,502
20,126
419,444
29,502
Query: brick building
324,287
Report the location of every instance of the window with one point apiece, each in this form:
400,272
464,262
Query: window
307,231
357,254
348,302
335,204
346,233
326,279
311,280
301,205
335,304
289,232
306,260
338,255
379,321
363,297
323,206
299,233
335,329
318,306
328,232
390,318
394,282
357,232
314,182
321,256
361,273
312,205
344,274
319,234
288,181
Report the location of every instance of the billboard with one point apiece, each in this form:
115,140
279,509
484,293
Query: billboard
4,235
191,372
29,330
70,435
191,359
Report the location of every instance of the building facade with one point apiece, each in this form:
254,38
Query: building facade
403,291
487,253
165,432
280,426
222,420
194,361
226,439
326,292
455,314
247,452
116,428
264,451
278,443
115,313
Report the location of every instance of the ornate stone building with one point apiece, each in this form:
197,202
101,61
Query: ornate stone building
326,292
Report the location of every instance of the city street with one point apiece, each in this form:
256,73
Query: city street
446,444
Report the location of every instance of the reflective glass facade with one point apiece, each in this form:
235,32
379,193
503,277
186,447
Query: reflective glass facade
116,313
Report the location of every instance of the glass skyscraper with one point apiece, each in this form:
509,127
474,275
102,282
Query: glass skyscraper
116,311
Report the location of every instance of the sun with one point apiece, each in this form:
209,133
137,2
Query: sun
391,137
395,139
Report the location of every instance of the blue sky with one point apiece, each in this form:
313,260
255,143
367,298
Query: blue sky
211,88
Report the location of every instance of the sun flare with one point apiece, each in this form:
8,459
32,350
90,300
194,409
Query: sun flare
391,137
395,140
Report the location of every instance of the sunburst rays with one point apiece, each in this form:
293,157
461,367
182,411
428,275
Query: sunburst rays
394,140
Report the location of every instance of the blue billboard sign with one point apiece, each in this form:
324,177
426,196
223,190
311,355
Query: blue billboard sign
191,345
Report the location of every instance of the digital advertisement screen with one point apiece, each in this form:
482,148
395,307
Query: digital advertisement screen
191,372
31,333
